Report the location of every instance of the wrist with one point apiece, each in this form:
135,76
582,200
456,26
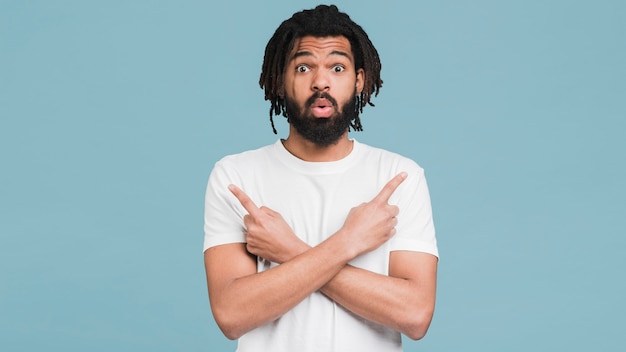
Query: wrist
345,247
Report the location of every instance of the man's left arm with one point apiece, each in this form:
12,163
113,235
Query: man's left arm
404,300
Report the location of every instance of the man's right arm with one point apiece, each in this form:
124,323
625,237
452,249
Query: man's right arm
242,299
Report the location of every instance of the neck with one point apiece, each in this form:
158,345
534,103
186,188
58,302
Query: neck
309,151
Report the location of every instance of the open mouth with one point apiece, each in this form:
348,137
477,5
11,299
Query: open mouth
322,108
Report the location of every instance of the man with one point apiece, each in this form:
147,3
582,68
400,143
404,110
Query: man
318,242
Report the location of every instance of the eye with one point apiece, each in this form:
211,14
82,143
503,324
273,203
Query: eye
338,68
302,68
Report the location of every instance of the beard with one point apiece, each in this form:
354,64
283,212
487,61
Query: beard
321,131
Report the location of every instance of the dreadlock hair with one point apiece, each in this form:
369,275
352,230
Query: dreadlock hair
323,21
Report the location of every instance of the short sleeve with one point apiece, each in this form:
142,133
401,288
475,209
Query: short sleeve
223,218
415,230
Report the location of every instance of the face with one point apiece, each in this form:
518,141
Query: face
320,87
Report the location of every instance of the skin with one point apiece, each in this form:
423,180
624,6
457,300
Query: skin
242,299
321,65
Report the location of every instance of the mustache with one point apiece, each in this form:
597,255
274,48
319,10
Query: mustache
321,95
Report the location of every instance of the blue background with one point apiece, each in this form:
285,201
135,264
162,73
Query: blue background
112,114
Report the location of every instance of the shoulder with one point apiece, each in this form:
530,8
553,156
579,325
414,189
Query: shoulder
247,156
249,161
232,168
388,159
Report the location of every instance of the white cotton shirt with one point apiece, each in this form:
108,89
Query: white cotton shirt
314,198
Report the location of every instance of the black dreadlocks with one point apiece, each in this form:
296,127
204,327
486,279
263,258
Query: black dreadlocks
323,21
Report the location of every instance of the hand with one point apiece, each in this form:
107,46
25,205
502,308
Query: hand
269,235
371,224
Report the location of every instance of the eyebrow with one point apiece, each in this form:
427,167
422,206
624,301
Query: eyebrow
308,53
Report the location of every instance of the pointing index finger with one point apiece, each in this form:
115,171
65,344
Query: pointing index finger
391,187
243,198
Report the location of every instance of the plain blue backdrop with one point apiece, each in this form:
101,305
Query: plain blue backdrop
112,114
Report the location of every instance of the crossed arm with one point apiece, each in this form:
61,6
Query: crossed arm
242,299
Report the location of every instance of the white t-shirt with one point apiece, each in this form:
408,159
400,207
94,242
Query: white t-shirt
315,198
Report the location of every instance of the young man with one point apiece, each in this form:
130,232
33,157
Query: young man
318,242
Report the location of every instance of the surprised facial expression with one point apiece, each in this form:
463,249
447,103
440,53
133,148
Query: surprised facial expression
320,87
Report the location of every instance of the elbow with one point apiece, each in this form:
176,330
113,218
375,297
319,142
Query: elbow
416,333
230,332
416,325
231,328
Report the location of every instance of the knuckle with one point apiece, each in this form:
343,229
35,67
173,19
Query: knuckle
261,222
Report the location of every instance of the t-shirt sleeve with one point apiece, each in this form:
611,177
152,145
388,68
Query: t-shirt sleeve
223,218
415,230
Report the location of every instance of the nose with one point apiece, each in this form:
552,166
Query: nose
321,83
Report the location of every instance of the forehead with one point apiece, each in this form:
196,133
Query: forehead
323,46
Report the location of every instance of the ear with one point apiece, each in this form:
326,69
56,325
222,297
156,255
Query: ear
360,80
